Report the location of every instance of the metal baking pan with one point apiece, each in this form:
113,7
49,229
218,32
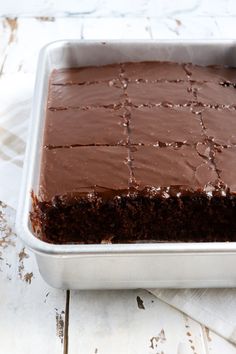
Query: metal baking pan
103,266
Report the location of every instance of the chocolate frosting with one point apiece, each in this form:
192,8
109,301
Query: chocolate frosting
211,73
220,125
226,162
85,127
84,95
85,74
159,92
151,71
210,93
133,126
83,171
165,125
168,167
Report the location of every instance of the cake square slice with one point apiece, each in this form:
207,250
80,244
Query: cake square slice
225,160
159,92
101,94
152,71
220,125
210,93
212,73
168,167
164,126
82,193
98,126
83,170
85,74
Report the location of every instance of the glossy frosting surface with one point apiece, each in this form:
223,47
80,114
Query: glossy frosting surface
139,127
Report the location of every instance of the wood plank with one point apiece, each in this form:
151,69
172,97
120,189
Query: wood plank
32,313
129,322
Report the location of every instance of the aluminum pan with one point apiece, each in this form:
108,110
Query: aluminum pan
83,53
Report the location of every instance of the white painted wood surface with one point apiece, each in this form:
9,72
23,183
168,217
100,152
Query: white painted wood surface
32,314
34,317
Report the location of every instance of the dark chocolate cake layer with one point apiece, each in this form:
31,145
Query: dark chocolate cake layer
138,152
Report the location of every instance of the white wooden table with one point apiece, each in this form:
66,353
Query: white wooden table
35,318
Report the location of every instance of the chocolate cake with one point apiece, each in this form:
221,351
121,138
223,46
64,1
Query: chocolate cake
138,152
